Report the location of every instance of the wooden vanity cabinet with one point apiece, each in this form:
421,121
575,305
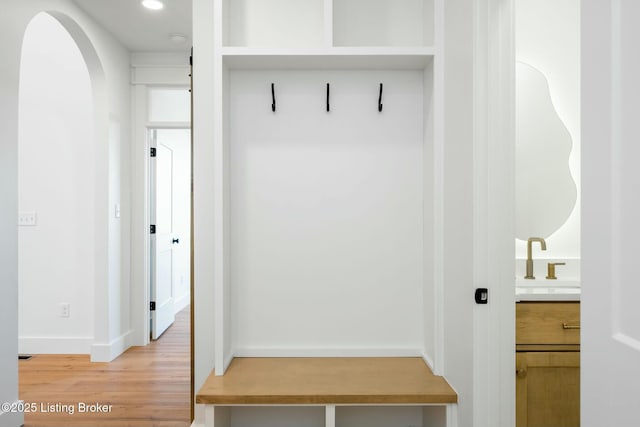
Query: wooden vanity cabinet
547,364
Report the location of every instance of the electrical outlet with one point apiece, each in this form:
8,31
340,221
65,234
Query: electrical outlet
64,309
27,218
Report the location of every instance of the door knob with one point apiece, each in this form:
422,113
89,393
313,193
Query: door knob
175,241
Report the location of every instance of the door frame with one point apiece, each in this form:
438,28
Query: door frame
152,140
139,311
148,71
494,217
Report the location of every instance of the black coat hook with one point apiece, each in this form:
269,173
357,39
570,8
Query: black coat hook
327,97
380,99
273,99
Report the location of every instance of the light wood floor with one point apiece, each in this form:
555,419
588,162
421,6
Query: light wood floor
146,386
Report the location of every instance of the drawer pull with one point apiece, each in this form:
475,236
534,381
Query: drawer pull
567,326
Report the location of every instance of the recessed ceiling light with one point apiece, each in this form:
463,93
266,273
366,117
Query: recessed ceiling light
153,4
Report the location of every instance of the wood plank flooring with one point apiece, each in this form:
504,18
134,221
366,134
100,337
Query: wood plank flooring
145,386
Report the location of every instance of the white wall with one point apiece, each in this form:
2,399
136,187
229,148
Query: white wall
548,38
335,197
55,165
11,29
112,86
203,182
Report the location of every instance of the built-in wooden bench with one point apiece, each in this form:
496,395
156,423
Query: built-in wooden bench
369,383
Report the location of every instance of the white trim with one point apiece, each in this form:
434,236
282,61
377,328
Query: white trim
438,365
160,76
452,415
168,125
140,217
181,303
54,345
218,165
427,360
108,352
494,248
330,416
158,69
316,405
326,352
160,59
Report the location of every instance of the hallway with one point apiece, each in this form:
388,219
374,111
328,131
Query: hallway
145,386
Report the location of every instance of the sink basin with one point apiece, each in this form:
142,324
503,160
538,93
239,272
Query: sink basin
559,291
544,283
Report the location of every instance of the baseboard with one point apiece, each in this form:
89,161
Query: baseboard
199,414
54,345
108,352
12,418
326,352
428,361
181,303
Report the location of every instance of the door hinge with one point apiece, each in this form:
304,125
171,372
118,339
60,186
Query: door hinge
152,306
153,151
152,228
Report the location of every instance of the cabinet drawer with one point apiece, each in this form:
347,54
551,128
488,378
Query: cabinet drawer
547,323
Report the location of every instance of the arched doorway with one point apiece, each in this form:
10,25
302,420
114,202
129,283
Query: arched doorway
63,166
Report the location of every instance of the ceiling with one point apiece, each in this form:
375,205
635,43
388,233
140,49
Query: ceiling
140,29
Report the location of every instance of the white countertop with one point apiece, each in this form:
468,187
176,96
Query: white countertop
547,290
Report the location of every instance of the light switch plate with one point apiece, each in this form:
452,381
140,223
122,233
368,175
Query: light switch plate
27,218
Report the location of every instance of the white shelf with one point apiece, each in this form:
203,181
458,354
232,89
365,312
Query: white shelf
383,22
324,23
273,23
408,58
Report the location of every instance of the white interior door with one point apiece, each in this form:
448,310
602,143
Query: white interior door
163,240
610,362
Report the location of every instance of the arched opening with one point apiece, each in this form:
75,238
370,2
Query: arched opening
60,171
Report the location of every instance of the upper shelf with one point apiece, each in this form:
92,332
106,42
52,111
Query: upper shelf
327,23
383,22
328,58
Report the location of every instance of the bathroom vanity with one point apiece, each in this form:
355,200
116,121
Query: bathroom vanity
547,356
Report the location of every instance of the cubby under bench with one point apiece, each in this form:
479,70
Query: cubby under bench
328,392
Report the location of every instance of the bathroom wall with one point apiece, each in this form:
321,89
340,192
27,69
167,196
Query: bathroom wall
548,38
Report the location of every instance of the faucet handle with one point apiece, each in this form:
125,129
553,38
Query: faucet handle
551,269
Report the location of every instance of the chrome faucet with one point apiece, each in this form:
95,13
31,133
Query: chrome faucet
543,245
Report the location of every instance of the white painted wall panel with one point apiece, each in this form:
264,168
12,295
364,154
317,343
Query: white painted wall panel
326,210
56,178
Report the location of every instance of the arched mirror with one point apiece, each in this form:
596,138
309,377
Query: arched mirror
546,192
